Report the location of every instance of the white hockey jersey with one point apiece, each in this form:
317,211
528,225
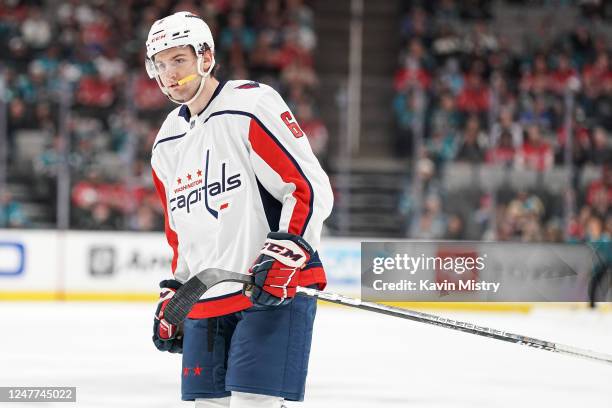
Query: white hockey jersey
239,169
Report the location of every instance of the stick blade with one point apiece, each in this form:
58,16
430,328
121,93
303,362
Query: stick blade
183,300
188,295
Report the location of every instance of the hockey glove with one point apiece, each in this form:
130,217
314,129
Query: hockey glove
165,335
276,271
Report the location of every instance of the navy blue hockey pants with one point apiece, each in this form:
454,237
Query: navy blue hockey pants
261,350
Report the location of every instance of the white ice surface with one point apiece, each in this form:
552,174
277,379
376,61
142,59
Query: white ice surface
359,359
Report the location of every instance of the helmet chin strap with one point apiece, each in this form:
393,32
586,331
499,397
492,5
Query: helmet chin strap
203,77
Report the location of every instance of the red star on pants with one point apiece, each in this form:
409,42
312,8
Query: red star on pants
185,371
199,173
178,180
188,176
197,370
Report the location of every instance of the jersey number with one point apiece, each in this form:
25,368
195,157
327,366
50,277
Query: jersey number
293,126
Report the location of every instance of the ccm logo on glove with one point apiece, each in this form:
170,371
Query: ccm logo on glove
287,251
277,269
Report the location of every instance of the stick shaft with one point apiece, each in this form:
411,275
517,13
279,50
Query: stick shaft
455,325
184,299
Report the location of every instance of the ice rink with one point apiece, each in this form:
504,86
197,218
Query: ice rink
359,359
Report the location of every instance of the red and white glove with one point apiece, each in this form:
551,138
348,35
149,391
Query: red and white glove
277,269
165,335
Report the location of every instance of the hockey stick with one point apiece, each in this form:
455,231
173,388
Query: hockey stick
181,303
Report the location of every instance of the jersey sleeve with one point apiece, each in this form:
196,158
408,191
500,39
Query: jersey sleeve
286,167
179,266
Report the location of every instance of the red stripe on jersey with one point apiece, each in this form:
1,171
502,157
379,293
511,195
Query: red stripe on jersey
171,235
277,159
219,307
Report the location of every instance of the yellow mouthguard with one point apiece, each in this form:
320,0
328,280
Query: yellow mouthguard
186,79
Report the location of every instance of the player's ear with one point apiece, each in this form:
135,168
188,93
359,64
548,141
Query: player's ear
207,59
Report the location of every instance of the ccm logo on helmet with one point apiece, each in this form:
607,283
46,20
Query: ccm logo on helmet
282,251
159,37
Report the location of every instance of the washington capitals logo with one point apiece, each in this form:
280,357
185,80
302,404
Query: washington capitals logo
205,189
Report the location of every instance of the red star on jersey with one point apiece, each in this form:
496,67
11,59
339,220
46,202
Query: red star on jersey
185,371
199,173
188,176
178,180
197,370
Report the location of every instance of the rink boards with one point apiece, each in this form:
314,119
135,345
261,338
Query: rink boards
123,266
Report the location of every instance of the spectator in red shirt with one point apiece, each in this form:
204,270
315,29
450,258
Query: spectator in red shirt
536,153
562,76
292,50
413,73
474,97
537,79
599,73
504,153
15,10
96,34
603,184
147,96
95,92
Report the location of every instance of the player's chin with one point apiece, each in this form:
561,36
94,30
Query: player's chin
180,95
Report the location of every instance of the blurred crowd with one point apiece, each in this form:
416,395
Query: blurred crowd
87,58
464,93
467,89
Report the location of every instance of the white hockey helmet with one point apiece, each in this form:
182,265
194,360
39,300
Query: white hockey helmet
178,30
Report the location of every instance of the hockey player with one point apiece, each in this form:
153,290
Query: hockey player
242,191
